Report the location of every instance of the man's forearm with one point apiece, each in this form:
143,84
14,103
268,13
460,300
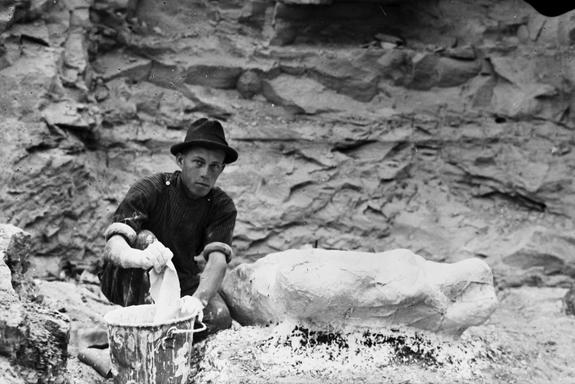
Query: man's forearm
119,252
212,277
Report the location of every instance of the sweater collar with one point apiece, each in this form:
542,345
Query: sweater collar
179,183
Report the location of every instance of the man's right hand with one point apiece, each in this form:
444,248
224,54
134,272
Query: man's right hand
156,256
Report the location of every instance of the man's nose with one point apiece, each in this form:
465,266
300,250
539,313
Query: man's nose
204,170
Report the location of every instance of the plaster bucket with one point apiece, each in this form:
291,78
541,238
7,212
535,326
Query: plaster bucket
144,352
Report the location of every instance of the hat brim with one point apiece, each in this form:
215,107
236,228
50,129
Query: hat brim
231,154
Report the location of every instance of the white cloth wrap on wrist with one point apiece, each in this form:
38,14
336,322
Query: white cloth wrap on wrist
123,230
219,247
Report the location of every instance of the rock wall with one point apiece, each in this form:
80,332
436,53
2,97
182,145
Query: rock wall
33,336
438,126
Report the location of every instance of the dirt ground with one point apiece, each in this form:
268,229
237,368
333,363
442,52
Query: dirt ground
529,339
534,336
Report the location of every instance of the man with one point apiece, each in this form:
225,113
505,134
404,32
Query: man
190,219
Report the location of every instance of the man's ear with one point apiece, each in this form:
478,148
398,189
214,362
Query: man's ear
180,159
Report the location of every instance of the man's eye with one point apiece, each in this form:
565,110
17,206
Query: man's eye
198,163
216,167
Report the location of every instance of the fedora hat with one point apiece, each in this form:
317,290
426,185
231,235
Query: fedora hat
208,134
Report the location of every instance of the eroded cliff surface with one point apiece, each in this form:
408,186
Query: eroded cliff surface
443,127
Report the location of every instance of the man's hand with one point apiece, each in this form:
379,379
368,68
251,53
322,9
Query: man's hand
191,305
156,255
200,262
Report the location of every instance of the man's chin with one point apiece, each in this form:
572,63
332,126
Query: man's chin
201,190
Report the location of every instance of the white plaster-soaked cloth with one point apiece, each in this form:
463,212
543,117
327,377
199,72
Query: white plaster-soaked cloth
343,290
165,290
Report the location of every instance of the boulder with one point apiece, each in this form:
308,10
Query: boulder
86,306
249,84
332,289
34,337
16,247
11,309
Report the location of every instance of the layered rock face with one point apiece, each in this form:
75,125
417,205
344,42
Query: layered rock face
347,290
33,336
360,125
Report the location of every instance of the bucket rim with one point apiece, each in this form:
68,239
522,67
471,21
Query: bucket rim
143,325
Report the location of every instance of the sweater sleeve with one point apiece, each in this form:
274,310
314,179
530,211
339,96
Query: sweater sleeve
134,210
220,226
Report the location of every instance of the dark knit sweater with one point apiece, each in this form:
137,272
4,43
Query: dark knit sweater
162,204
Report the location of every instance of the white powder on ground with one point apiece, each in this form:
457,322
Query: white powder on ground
291,354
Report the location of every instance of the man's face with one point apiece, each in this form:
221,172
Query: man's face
201,167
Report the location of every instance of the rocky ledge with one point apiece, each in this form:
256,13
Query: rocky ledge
33,336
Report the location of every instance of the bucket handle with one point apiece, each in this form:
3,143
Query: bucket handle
164,341
175,331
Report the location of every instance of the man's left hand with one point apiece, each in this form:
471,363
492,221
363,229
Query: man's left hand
191,305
